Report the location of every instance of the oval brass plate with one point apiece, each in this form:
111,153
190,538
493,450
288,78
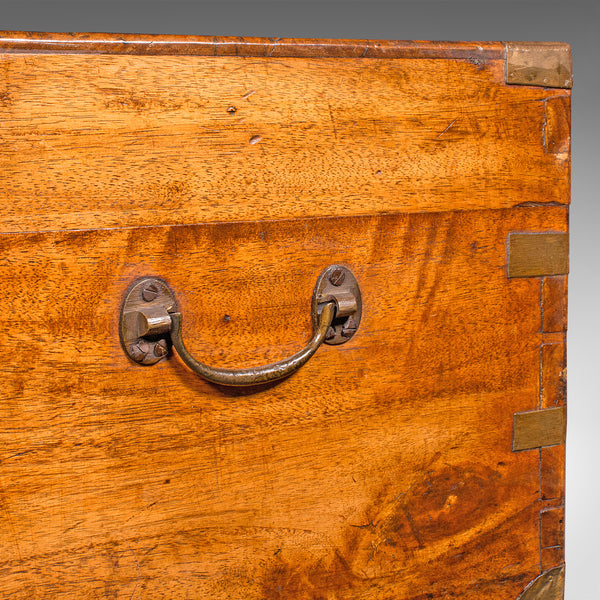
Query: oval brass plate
154,297
338,283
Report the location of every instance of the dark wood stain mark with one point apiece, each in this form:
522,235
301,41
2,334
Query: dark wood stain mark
446,504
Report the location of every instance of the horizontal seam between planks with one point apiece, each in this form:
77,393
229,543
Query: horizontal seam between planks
286,219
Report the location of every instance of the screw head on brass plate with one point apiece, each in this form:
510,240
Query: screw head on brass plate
161,348
337,277
150,292
146,298
338,283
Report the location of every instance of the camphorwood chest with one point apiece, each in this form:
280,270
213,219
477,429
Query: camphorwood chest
383,224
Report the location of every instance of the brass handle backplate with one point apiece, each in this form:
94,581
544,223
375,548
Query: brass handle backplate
150,325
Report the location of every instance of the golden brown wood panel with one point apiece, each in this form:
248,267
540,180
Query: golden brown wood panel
554,375
552,525
554,302
552,538
553,557
94,141
552,468
383,468
557,134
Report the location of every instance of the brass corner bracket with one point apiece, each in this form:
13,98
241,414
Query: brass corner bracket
545,64
548,586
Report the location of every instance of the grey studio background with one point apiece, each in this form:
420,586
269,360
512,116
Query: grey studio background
573,21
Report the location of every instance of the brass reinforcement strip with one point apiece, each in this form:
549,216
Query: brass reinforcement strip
538,428
538,254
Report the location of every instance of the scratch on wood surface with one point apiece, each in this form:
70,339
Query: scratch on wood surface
545,125
332,120
20,454
139,571
248,94
412,527
374,548
57,152
8,518
443,132
72,526
368,525
539,527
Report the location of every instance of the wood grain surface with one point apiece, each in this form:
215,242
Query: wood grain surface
382,469
97,141
554,307
274,47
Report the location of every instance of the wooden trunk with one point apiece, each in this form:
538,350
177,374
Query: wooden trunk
421,459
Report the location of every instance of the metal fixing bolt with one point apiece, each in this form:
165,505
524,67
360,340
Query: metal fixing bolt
161,348
137,352
150,292
337,277
349,328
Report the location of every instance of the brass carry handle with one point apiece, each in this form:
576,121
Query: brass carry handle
256,375
150,324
